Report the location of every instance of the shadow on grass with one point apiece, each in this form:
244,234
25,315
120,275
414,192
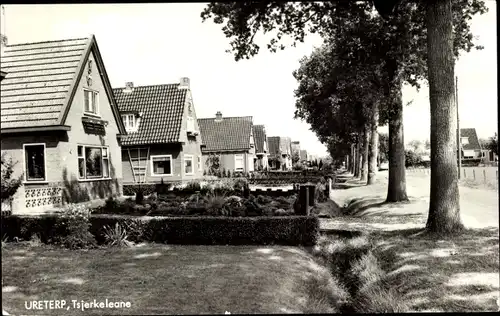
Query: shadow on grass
458,274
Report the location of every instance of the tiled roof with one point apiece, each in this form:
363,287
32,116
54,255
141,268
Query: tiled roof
259,135
162,108
273,144
228,134
39,79
473,139
40,83
279,145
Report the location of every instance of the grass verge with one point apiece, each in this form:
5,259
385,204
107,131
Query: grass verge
409,270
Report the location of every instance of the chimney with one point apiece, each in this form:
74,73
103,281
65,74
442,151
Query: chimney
3,43
184,83
218,116
129,87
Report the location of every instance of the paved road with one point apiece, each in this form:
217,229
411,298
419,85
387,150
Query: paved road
478,207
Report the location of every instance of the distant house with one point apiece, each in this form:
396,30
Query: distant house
60,123
163,140
280,153
471,147
231,140
303,155
262,152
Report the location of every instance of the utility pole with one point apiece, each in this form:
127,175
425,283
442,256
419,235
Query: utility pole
459,142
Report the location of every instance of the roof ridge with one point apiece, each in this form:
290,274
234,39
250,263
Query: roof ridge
44,42
151,85
225,117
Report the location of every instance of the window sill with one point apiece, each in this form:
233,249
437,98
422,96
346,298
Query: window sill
161,175
96,179
92,114
35,182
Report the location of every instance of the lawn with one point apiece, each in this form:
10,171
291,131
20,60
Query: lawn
166,279
459,274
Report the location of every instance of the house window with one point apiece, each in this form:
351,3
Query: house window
465,140
130,122
238,162
188,164
35,162
161,165
91,101
199,163
93,162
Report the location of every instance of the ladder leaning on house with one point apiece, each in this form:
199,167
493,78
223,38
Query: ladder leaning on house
139,163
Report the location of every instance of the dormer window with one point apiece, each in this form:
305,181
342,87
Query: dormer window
131,122
465,140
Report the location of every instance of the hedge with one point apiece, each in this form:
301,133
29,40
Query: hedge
280,230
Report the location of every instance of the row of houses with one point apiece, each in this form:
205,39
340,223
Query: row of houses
75,138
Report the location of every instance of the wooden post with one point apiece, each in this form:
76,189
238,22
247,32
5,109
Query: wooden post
304,200
474,173
312,191
465,174
246,191
484,175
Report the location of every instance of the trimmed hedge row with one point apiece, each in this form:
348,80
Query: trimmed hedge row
280,230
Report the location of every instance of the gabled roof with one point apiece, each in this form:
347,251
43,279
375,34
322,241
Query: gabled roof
162,108
226,134
279,145
42,81
473,139
259,135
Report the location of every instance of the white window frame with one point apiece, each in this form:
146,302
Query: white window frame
188,158
164,174
103,158
25,165
464,140
236,158
130,125
96,105
200,165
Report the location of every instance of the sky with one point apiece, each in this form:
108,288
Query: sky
158,43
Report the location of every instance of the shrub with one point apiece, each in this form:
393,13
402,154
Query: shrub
288,230
240,184
216,205
74,219
263,199
204,172
9,185
193,186
116,236
139,196
229,175
111,204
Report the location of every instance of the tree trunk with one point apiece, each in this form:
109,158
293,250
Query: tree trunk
396,189
444,204
357,165
360,159
372,167
366,151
